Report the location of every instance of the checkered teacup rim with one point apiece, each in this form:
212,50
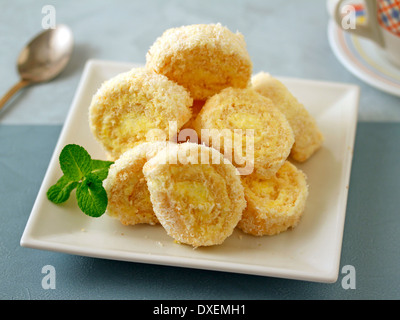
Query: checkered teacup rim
389,15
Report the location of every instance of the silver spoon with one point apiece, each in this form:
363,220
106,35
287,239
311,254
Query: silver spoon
43,58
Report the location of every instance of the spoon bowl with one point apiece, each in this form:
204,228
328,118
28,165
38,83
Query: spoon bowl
43,58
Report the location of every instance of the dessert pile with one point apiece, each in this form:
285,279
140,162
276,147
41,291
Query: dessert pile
230,163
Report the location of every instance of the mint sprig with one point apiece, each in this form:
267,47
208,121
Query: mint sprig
85,174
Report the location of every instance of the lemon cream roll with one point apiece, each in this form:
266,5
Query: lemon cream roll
196,195
128,196
276,204
308,137
204,58
246,127
129,107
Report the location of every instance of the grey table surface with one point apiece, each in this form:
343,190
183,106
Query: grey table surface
285,38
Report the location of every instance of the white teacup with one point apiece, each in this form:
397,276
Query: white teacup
381,26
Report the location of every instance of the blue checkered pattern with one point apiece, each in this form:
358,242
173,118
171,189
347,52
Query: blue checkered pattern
389,15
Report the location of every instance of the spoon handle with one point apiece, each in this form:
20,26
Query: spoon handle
22,83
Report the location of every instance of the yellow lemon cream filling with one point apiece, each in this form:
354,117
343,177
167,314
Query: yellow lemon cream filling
244,120
195,194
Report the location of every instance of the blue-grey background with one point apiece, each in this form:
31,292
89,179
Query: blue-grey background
285,38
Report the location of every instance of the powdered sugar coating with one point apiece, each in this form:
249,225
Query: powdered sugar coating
204,58
197,203
126,107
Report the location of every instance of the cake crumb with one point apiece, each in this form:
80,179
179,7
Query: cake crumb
160,244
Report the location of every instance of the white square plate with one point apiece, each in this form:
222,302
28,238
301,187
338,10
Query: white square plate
310,252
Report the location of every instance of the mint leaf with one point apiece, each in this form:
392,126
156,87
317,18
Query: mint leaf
85,174
75,162
100,168
59,192
91,196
